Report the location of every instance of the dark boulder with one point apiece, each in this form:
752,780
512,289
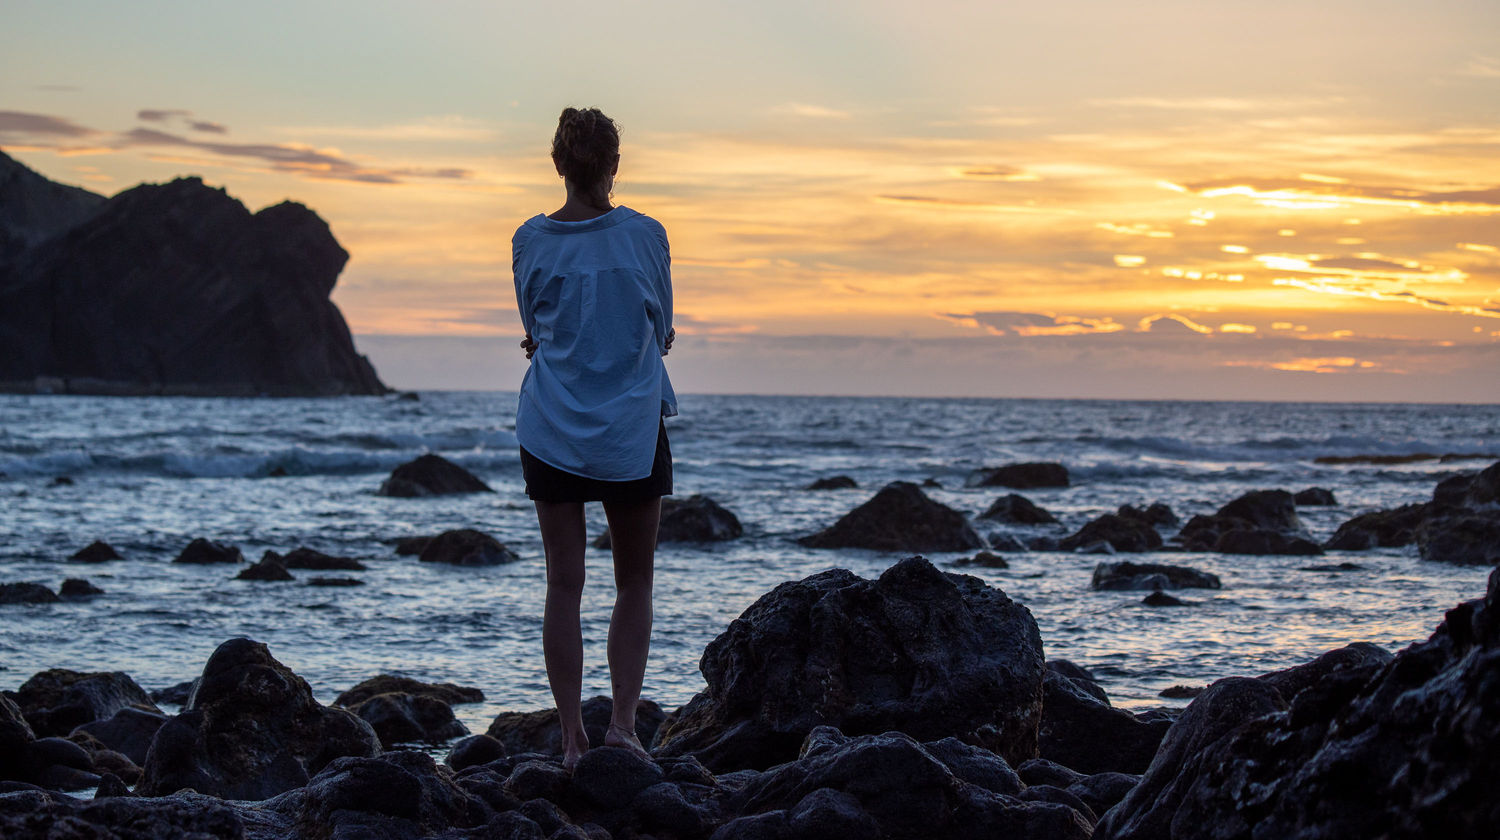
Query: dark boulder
97,551
984,559
269,567
78,588
694,519
1020,476
1332,567
178,289
36,815
1080,732
396,795
1360,656
610,777
58,700
431,475
1259,522
400,718
203,551
307,558
1404,749
1241,541
1463,537
474,750
335,581
1118,576
917,650
176,695
467,547
1379,529
1155,513
1162,599
16,736
449,693
1018,510
1121,532
252,730
26,592
899,518
129,732
537,732
412,546
835,482
1314,497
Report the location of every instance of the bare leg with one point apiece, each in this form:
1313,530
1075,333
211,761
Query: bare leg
562,638
632,533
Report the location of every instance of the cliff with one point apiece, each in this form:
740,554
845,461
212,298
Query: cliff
168,289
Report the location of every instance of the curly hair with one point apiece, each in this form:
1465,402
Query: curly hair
585,149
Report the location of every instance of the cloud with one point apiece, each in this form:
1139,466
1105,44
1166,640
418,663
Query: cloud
160,114
209,127
1309,364
1328,288
962,204
687,324
1299,193
996,173
817,112
303,160
22,123
1030,324
443,129
1172,324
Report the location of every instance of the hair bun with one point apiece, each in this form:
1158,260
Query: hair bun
585,147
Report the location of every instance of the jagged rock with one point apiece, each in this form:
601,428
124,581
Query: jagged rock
175,288
26,592
56,701
400,718
1404,749
252,730
1363,656
467,547
269,567
1259,522
836,482
97,551
1381,528
449,693
899,518
15,740
1155,513
1021,476
1102,791
306,558
1119,576
694,519
1314,496
431,475
1121,532
129,731
525,732
1162,599
918,650
204,551
78,588
1017,509
1081,733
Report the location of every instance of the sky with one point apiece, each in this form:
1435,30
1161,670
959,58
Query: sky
1158,199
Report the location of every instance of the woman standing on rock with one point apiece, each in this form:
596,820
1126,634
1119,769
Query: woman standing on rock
594,287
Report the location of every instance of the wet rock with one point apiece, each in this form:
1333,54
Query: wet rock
412,546
1060,796
203,551
665,810
984,559
1264,542
26,592
523,732
1082,733
1461,537
900,517
1001,541
449,693
307,558
474,750
610,777
1017,509
1155,513
1021,476
252,730
269,567
63,481
1381,528
1124,576
78,588
1181,692
917,650
836,482
694,519
335,581
396,795
1314,496
58,700
467,547
1259,522
128,732
1122,533
400,718
1162,599
97,551
431,475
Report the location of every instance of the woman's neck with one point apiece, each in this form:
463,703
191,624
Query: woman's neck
580,207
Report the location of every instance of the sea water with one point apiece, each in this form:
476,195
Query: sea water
148,475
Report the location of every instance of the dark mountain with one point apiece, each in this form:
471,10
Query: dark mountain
168,289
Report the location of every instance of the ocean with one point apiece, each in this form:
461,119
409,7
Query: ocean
148,475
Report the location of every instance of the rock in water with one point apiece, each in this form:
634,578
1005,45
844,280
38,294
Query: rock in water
269,567
1123,533
431,475
400,718
204,551
899,518
307,558
253,730
834,482
1314,496
467,547
1405,749
1259,522
1082,733
1381,528
1115,576
78,588
694,519
1017,509
26,592
388,683
919,651
97,551
1021,476
173,288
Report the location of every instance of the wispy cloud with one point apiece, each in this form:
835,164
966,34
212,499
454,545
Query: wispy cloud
20,124
1032,323
1234,104
816,112
451,127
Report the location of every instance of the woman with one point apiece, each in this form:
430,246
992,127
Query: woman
593,283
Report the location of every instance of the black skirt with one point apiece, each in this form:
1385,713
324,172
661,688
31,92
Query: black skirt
546,483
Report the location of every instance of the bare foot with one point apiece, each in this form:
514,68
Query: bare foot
619,736
574,751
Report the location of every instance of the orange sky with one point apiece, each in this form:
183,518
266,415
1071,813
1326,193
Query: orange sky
1254,201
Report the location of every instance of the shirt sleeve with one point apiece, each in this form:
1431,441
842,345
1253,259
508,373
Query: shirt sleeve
523,304
664,284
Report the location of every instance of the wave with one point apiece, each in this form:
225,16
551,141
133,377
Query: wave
1322,449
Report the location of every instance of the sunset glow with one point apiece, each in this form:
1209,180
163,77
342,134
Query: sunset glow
1015,195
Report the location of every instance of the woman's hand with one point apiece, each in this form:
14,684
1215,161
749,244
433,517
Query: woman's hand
529,345
667,345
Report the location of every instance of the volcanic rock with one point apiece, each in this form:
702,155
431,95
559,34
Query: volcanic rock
917,650
1020,476
129,731
449,693
899,518
1089,736
836,482
335,581
1121,532
78,588
35,815
252,730
1381,528
984,559
26,592
203,551
172,288
1017,509
1462,537
1314,496
397,795
537,732
269,567
1360,656
1117,576
410,546
467,547
1162,599
431,475
1155,513
306,558
400,718
694,519
97,551
1259,522
57,700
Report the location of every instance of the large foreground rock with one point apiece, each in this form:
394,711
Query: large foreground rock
1081,731
252,730
173,288
1405,749
694,519
899,518
917,650
431,475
